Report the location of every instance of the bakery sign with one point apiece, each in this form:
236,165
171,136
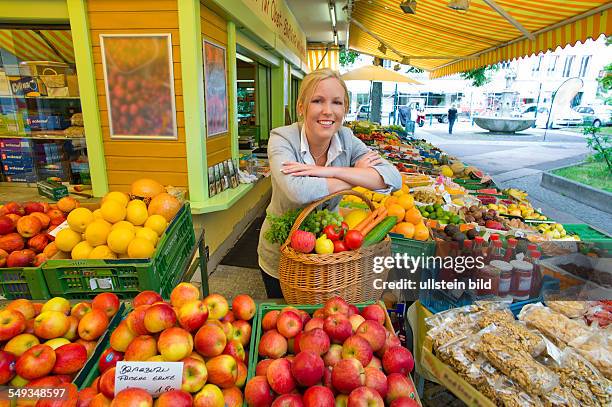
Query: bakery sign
277,16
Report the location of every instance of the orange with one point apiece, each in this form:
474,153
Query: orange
421,232
406,229
406,201
406,189
390,201
397,211
413,216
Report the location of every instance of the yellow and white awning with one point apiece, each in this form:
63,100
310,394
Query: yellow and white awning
38,45
446,41
321,57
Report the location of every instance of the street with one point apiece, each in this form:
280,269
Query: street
518,161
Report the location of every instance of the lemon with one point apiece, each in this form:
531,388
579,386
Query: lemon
354,217
137,212
81,251
113,211
123,224
79,219
97,214
140,248
119,239
102,252
158,223
120,197
66,239
97,232
148,234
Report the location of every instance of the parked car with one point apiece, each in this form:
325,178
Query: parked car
596,116
565,118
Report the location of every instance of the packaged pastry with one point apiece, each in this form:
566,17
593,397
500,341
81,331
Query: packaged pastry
560,329
597,349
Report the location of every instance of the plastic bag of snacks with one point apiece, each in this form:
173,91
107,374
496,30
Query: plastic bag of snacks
557,327
508,394
571,309
596,348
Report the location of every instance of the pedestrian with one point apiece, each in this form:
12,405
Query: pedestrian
452,116
315,157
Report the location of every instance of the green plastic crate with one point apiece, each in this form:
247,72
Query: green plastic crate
23,282
590,234
88,373
412,247
127,277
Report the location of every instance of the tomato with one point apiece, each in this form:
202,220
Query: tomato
345,228
339,246
333,232
353,239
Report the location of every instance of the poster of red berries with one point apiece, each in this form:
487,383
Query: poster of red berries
215,82
139,79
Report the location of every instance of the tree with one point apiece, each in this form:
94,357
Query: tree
601,144
479,76
347,58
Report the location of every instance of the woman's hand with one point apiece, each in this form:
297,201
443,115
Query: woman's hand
368,160
306,170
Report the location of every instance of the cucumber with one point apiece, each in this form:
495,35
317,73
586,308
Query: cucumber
379,232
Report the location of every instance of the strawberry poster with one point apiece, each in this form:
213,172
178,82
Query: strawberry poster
139,80
215,84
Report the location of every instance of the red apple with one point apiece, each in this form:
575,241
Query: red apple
209,396
374,333
222,371
358,348
336,305
89,345
269,320
28,226
304,315
404,402
242,332
141,349
288,400
108,359
20,343
100,400
232,397
307,368
174,398
36,362
315,340
192,315
398,386
13,207
333,355
194,374
365,397
135,320
390,341
210,341
107,383
347,375
12,323
159,317
93,324
314,323
318,396
6,225
258,393
31,207
262,367
229,317
20,258
289,324
121,337
146,298
72,332
217,306
375,363
69,398
44,219
338,327
375,312
70,358
132,397
279,376
107,302
272,345
184,293
376,380
3,258
51,324
243,307
355,321
352,310
235,349
398,360
39,259
11,242
175,344
242,374
86,397
38,242
7,367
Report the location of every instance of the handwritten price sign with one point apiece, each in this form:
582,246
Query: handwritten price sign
154,377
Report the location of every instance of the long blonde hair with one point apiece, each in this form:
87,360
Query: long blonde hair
309,84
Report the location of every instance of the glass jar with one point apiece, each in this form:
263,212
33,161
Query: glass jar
522,273
505,277
487,279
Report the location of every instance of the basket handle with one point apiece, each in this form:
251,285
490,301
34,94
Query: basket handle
49,69
308,209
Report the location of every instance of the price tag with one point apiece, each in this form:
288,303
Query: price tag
59,228
102,283
154,377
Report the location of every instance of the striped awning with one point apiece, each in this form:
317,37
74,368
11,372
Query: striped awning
38,45
320,57
446,41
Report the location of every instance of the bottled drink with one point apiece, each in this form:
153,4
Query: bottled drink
510,250
536,280
495,252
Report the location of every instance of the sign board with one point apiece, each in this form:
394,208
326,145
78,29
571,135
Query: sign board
154,377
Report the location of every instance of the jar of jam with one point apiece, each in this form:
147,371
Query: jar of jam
487,280
505,277
522,273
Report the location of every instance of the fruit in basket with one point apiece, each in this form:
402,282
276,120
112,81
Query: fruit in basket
102,252
365,397
289,324
97,232
112,211
192,315
108,359
217,306
51,324
374,333
80,309
315,340
354,217
318,396
38,242
273,345
142,348
157,223
302,241
374,312
38,361
20,343
57,304
376,379
121,337
174,398
165,205
243,307
6,225
120,197
288,400
106,302
140,248
146,188
159,317
398,386
24,306
66,239
222,371
146,298
210,341
11,242
398,360
136,212
119,240
57,342
347,375
209,396
28,226
358,348
258,393
20,258
93,324
82,250
337,327
79,219
132,397
70,358
12,323
148,234
280,377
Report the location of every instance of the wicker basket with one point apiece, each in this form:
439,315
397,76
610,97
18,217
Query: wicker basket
314,278
52,79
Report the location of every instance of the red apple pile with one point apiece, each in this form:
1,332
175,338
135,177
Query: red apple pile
45,345
337,357
24,231
208,337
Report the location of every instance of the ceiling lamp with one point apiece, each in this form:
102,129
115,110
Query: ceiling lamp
406,61
382,48
462,5
408,6
397,67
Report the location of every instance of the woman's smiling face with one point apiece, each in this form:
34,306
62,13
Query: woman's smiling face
325,112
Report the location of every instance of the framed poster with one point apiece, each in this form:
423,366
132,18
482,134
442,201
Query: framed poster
218,174
212,185
215,87
139,81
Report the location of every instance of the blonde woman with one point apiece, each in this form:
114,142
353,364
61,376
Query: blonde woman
315,157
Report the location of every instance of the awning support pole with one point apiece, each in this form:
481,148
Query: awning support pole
511,20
